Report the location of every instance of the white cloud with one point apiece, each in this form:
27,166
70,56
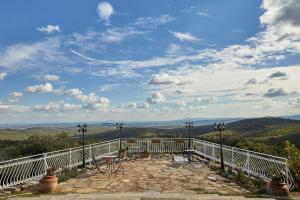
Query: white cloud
108,87
206,100
203,13
91,101
43,55
2,75
16,94
14,97
49,28
184,37
49,77
57,107
105,11
7,108
165,79
282,15
156,98
153,22
42,88
93,40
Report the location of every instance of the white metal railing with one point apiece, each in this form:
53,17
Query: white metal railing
253,163
26,169
16,171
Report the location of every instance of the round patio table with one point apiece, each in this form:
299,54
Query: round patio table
109,160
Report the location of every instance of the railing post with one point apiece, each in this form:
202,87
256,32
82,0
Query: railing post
213,152
90,154
232,157
287,173
247,162
70,159
108,147
148,145
45,164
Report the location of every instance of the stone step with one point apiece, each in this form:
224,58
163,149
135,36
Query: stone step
137,196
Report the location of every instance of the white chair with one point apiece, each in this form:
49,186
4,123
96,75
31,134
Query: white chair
180,160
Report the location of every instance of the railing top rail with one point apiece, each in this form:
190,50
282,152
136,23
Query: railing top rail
53,152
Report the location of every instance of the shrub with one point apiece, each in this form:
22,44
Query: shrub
50,171
67,174
293,154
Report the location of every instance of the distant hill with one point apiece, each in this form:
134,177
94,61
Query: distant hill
260,134
259,125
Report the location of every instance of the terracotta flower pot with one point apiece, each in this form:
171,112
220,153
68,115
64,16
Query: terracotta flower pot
145,155
277,188
48,184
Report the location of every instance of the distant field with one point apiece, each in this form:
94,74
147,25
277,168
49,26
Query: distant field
23,134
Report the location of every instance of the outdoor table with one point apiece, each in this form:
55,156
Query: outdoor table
109,160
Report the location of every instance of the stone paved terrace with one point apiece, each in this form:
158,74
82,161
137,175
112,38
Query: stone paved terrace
154,179
154,175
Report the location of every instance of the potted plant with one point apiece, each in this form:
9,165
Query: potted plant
145,154
277,186
49,182
155,141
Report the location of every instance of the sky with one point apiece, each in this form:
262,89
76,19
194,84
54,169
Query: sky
76,60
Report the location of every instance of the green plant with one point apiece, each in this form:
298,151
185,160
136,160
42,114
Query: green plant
51,171
293,154
67,174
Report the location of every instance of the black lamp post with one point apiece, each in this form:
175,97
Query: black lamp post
220,127
189,125
82,129
120,127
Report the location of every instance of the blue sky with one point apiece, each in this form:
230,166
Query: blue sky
148,60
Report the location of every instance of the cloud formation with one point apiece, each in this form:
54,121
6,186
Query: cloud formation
2,75
165,79
49,77
42,88
156,98
90,101
49,28
184,37
278,75
153,22
57,107
254,81
105,11
276,92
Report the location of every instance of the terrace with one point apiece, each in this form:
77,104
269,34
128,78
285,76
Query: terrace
158,174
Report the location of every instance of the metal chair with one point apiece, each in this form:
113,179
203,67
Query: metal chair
98,164
118,161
